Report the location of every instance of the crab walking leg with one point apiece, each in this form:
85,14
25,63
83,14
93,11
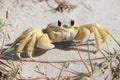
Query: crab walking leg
102,32
44,42
92,28
19,39
87,29
22,44
23,35
97,38
31,46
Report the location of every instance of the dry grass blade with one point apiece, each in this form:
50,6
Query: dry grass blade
1,25
61,70
15,72
4,34
8,74
100,52
107,64
62,61
90,61
89,72
81,76
115,40
112,37
2,63
3,42
89,8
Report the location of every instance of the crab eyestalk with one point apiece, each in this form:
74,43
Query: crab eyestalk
61,28
71,24
59,23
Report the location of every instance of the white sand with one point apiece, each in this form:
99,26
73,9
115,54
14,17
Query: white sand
23,14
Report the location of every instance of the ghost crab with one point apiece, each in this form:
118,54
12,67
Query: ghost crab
58,33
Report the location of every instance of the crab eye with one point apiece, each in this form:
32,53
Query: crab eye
59,23
72,22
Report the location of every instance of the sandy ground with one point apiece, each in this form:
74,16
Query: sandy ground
23,14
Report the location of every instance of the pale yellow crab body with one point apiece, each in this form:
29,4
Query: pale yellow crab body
58,33
67,33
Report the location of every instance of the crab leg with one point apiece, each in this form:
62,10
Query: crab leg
102,32
97,34
24,34
22,44
83,32
31,46
97,38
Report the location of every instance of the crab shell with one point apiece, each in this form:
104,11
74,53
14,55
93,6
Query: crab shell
66,33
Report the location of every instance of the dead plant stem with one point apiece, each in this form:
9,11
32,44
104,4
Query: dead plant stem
58,61
3,42
83,60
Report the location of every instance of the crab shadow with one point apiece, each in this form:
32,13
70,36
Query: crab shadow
13,56
66,45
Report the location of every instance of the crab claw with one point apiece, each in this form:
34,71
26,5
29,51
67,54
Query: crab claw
44,42
82,33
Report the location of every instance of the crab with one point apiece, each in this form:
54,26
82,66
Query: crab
44,38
